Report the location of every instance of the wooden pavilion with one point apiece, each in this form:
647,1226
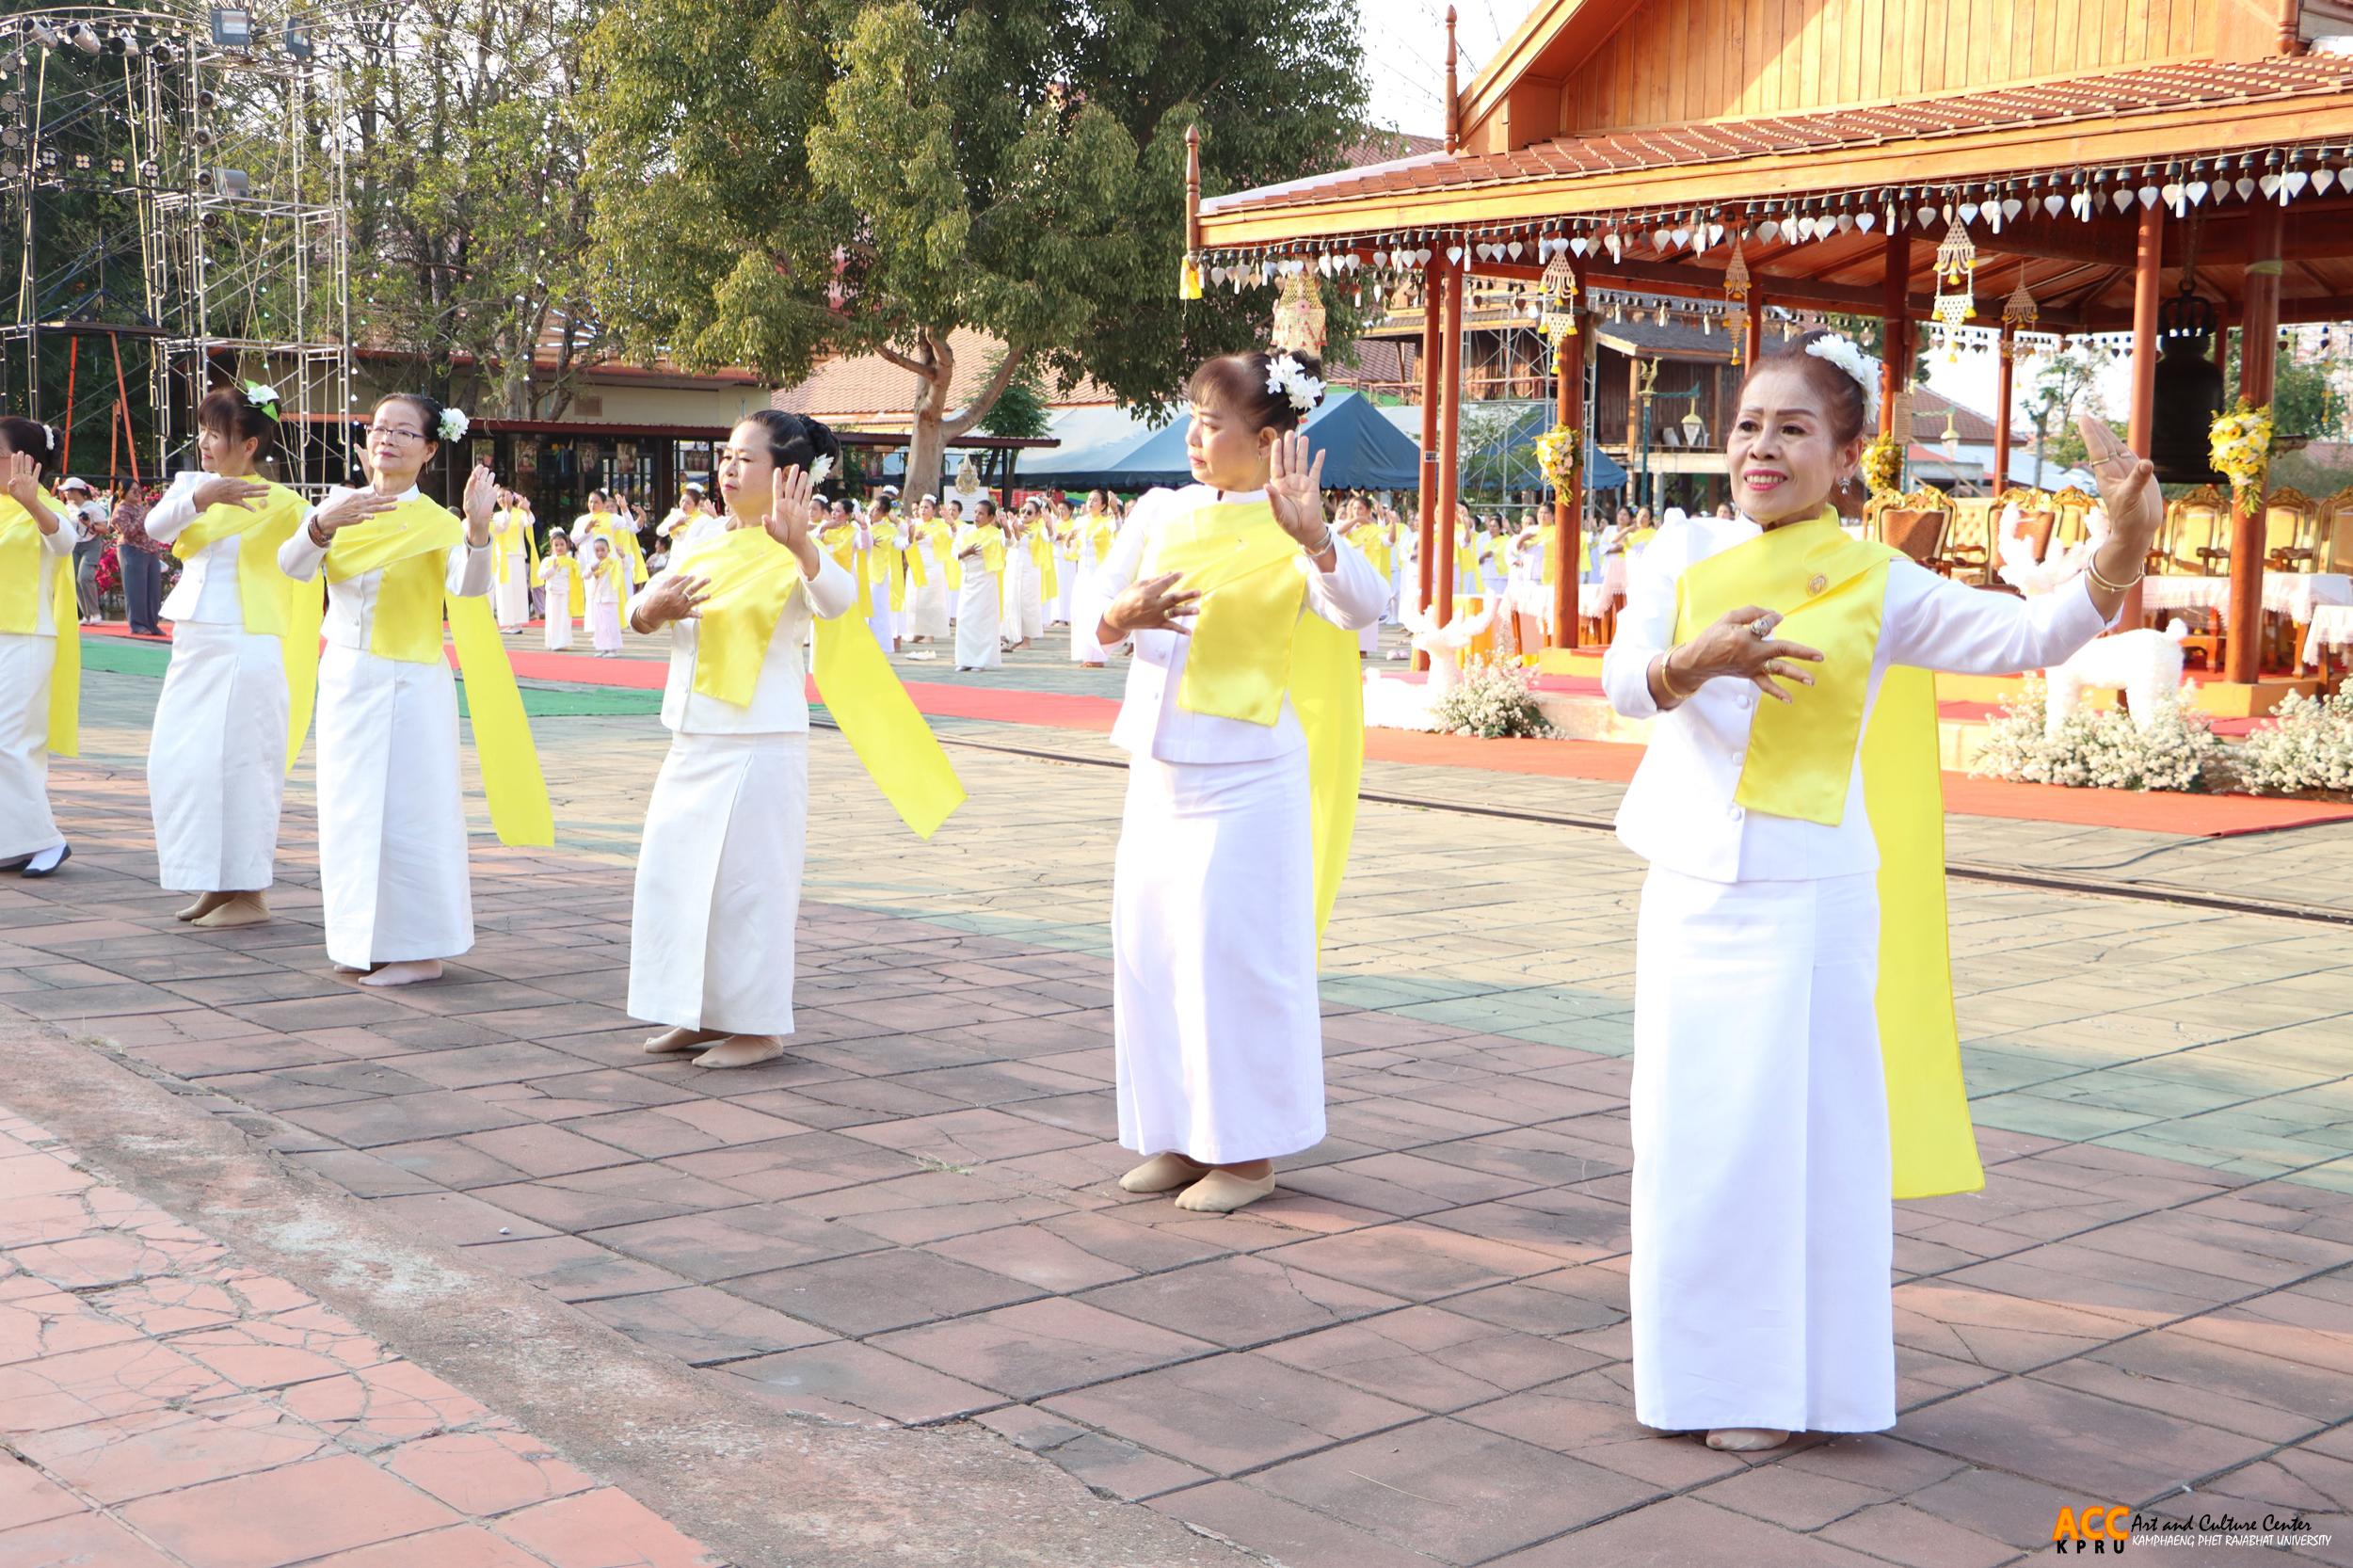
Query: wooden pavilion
1908,160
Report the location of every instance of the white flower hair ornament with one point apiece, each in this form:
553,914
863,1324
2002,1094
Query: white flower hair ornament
262,397
1847,356
453,425
821,468
1287,376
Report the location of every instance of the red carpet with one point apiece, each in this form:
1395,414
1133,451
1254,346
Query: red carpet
2153,812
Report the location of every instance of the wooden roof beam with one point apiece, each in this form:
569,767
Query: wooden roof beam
1703,283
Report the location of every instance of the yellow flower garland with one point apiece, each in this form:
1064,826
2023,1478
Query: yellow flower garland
2239,442
1558,454
1883,466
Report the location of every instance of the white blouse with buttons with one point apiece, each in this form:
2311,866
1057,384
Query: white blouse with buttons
1680,813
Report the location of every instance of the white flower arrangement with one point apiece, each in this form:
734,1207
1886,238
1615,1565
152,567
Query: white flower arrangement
1285,376
1847,356
1493,700
2307,748
2171,749
262,397
821,470
453,425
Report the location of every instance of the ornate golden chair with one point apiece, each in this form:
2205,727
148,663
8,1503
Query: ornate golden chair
1969,539
2291,530
2074,509
2196,540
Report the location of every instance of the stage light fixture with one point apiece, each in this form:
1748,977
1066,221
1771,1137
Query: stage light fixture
85,37
232,26
123,43
297,39
232,181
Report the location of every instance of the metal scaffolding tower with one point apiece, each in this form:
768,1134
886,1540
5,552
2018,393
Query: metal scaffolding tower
172,186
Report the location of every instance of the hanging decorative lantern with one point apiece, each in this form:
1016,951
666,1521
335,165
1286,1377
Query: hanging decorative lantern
1736,296
2019,315
1956,296
1299,315
1557,294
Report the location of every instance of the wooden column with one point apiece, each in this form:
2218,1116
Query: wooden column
1895,367
2004,375
2140,425
1753,343
1569,501
1449,442
1636,471
1425,519
2258,351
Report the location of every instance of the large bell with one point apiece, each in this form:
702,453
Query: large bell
2188,394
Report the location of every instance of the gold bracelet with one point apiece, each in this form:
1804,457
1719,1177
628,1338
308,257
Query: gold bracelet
2091,567
1667,683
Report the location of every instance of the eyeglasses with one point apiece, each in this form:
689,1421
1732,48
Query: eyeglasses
402,431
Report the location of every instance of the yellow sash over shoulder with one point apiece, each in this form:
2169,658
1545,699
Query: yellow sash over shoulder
1251,646
273,604
1832,591
751,579
410,545
530,544
20,612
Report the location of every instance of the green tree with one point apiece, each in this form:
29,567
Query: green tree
775,183
1021,407
470,218
2064,387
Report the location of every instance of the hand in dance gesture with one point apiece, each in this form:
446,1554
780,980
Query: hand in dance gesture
791,508
1741,646
1151,604
481,500
2136,508
22,478
350,507
675,596
221,490
1294,488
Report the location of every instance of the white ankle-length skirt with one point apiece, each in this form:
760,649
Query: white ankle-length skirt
1763,1220
216,759
393,876
1217,1035
510,600
26,826
927,601
977,620
719,885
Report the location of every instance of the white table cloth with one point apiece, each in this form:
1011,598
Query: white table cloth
2331,627
2293,594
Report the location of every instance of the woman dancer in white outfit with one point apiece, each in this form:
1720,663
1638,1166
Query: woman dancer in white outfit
927,601
1761,1106
36,538
216,757
513,547
984,556
392,871
1216,896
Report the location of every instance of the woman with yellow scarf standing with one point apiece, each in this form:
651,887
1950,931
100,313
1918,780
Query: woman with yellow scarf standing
41,649
515,551
1796,1063
244,663
1096,528
928,559
981,554
719,870
1243,722
392,871
565,599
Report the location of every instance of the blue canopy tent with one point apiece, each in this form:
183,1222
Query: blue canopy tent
1362,452
1514,451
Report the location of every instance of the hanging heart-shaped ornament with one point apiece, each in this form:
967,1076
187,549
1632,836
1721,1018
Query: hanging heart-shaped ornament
1381,257
1658,239
1767,231
1324,263
1968,213
1867,221
2011,207
2268,184
2171,194
2322,178
2148,195
1578,245
2122,199
2292,182
1217,275
2195,190
2053,204
1453,253
1926,216
1715,233
1513,249
2245,186
1421,257
1845,223
1617,246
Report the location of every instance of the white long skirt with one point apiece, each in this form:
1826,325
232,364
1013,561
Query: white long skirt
927,603
392,873
26,826
977,643
1216,1034
1066,584
510,600
559,626
719,885
884,622
604,626
1024,611
1084,649
1763,1224
216,759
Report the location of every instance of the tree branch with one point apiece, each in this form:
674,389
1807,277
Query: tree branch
986,399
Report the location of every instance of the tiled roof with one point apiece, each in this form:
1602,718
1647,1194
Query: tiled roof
868,387
2106,96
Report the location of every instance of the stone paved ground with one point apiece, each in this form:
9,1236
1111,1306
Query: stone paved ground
1416,1353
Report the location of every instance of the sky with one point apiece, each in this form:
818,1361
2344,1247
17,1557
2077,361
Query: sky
1405,56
